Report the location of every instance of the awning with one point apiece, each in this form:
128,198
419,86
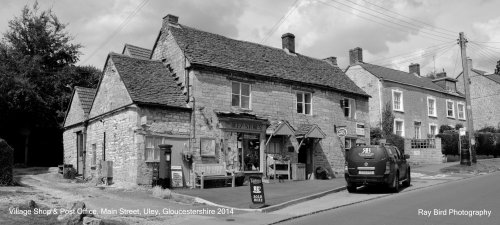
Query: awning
309,131
281,127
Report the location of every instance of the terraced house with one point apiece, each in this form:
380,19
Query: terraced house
420,105
225,102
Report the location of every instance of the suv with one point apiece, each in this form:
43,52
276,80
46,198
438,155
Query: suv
376,164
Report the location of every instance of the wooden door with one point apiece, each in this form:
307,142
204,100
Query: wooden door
80,152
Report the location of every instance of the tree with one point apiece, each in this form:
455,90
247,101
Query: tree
387,120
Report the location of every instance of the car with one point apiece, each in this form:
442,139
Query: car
376,165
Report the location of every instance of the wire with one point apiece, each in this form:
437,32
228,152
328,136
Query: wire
410,53
404,21
280,21
456,61
482,51
120,27
390,21
418,21
420,56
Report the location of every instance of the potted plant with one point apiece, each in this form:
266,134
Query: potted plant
187,156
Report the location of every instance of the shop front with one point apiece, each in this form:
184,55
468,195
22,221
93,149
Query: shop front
309,136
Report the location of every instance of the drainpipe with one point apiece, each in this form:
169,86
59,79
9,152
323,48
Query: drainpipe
380,100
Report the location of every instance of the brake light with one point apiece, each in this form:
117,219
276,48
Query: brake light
346,169
387,167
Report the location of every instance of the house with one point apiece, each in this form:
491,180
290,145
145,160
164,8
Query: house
420,105
223,101
485,96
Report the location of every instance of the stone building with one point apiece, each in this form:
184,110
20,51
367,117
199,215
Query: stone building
224,101
420,105
485,96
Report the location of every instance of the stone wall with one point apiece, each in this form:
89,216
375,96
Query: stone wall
120,146
69,144
424,155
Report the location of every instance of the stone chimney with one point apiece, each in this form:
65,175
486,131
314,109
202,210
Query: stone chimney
414,68
355,55
332,60
170,19
288,42
440,75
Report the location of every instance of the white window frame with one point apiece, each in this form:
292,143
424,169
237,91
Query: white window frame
435,106
352,108
419,136
430,129
452,108
458,110
249,97
402,126
401,109
303,93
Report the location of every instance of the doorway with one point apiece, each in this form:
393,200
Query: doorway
305,155
80,152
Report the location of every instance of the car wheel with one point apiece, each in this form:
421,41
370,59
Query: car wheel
407,182
395,183
351,188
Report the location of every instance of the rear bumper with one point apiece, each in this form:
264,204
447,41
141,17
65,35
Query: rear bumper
364,179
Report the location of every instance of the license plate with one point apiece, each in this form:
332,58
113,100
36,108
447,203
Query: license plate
366,172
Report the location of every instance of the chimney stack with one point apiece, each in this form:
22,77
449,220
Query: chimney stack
440,75
332,60
170,19
355,55
414,68
288,42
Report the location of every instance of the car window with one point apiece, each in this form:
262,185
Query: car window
397,153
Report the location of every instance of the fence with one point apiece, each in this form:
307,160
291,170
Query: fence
424,151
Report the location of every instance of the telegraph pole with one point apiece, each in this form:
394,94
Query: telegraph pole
470,126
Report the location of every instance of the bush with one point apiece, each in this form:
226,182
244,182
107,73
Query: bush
6,164
162,193
397,141
488,143
444,128
69,173
375,135
449,142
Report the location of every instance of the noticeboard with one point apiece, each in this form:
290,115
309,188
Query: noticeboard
257,190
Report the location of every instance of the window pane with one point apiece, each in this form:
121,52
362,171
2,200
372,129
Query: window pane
308,109
299,97
236,88
245,102
235,101
307,97
346,112
299,108
245,89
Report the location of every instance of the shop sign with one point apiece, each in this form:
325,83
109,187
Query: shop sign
257,190
243,126
360,129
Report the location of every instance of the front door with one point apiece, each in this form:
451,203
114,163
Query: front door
305,155
80,153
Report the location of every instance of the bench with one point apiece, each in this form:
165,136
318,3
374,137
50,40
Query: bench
203,172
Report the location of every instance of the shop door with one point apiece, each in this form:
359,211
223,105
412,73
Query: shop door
305,155
80,152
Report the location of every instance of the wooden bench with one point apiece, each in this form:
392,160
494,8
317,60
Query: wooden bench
203,172
281,168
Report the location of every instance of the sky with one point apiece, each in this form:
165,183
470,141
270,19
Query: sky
392,33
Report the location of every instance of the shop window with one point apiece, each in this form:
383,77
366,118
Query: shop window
249,151
240,95
304,105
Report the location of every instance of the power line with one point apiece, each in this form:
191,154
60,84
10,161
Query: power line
436,52
120,27
390,21
404,21
410,53
280,21
482,51
418,21
456,62
418,56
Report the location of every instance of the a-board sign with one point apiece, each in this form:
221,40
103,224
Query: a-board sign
257,190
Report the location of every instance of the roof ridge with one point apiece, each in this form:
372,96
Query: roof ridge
127,44
132,57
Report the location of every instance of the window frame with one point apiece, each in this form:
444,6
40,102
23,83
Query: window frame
419,136
436,129
452,108
435,106
156,149
458,110
401,109
240,94
352,107
402,126
303,93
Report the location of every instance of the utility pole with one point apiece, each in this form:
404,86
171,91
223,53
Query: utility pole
470,126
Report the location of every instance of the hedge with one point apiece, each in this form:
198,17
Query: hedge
6,164
486,143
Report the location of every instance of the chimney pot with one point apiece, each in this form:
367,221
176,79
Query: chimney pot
414,68
355,55
170,19
288,42
332,60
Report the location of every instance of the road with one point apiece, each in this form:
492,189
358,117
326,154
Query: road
426,206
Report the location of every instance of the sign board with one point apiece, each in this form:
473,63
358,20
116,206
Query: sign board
341,131
257,191
360,129
462,131
177,176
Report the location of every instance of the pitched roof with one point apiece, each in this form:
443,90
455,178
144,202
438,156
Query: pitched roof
136,51
493,77
148,81
212,50
402,77
86,96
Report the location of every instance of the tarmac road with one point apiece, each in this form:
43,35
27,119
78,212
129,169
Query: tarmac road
449,203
